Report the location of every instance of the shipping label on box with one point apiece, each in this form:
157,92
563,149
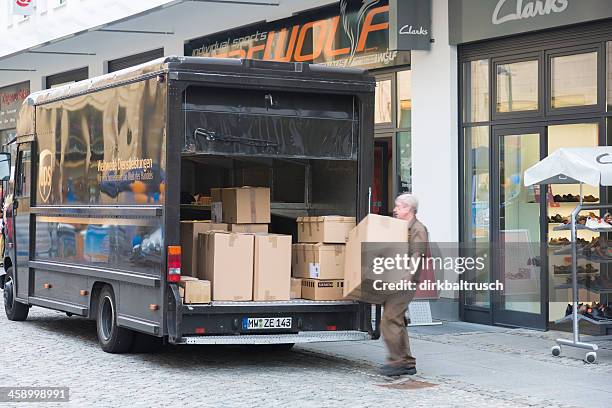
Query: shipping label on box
316,289
246,205
330,229
272,267
226,260
314,270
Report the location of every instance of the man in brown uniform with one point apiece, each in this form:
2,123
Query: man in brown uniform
393,324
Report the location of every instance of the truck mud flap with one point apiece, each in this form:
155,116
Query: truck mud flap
174,316
301,337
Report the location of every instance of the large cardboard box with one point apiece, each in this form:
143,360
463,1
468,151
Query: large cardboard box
328,229
249,228
373,228
194,290
189,242
226,260
318,261
296,288
316,289
246,205
272,267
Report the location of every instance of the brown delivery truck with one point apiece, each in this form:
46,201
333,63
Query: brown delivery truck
106,169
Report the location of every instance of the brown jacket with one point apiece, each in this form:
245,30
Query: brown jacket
418,239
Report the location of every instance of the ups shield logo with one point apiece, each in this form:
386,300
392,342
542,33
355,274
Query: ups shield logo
45,173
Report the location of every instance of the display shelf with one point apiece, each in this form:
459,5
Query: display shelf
601,322
580,227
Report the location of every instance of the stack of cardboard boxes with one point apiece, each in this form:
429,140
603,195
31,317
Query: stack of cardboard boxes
234,252
318,258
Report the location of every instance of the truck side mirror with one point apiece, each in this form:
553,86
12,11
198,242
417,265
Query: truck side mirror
5,166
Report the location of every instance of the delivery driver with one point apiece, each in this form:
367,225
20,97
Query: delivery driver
393,323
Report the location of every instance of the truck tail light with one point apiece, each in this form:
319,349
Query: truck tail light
174,263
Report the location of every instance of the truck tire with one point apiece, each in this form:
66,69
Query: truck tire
15,311
111,337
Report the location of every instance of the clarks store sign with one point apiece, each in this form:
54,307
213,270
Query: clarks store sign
474,20
352,33
410,25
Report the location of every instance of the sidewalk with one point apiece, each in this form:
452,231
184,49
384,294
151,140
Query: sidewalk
514,365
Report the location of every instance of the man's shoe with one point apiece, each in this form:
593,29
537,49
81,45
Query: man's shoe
393,370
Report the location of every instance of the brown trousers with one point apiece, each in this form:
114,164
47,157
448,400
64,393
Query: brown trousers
393,329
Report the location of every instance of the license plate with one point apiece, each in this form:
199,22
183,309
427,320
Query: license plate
263,323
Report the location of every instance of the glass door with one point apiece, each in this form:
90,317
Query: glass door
517,233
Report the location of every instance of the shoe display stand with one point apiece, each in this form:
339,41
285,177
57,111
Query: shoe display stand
576,317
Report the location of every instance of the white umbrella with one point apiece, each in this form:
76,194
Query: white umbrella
589,165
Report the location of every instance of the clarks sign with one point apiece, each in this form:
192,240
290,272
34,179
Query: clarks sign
528,10
409,25
476,20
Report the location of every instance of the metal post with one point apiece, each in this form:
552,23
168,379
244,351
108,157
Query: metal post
575,274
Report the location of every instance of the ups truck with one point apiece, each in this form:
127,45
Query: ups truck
100,169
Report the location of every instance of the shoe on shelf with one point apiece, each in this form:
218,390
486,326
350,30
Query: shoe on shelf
597,223
396,370
590,199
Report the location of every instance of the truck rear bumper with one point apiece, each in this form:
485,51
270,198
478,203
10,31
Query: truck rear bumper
301,337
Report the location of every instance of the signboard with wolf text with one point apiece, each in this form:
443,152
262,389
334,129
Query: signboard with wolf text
351,34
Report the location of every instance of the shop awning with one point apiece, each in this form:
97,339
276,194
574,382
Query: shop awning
589,165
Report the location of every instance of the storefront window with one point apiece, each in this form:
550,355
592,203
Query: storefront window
404,165
476,215
404,99
382,103
574,80
517,86
476,96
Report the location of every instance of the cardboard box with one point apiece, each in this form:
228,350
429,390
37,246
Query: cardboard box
328,229
296,288
316,289
249,228
373,228
272,267
194,290
246,205
318,261
189,241
226,260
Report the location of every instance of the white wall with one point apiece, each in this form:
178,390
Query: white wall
434,132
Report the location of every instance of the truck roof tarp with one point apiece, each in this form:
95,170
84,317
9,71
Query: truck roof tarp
194,64
589,165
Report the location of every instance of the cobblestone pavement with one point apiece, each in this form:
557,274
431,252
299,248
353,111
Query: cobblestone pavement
51,349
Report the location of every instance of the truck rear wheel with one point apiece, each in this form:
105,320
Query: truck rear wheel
112,338
15,311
